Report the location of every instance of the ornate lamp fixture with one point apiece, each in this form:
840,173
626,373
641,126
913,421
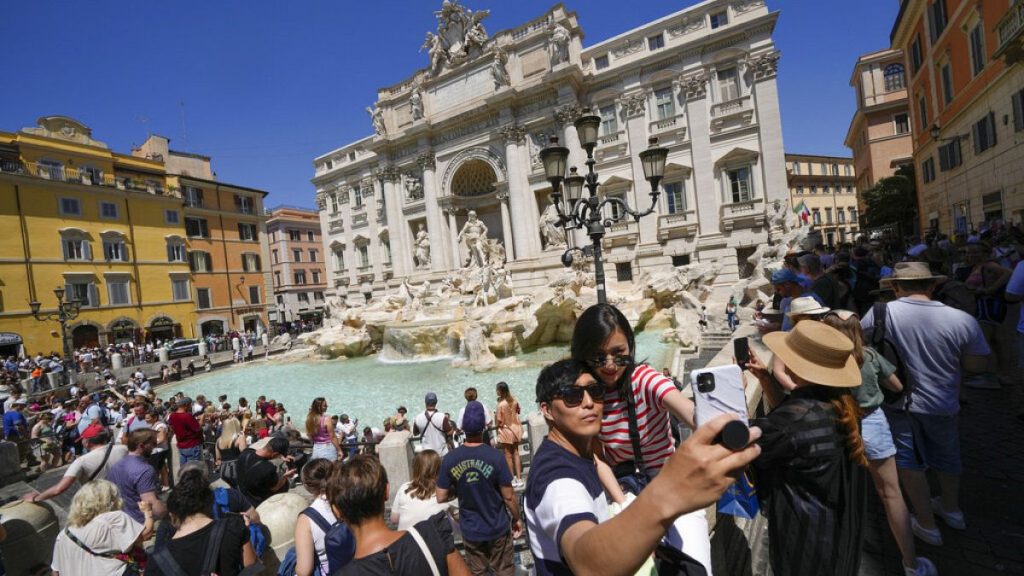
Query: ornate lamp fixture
66,311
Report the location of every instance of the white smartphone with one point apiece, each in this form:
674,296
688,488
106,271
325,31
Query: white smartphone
718,390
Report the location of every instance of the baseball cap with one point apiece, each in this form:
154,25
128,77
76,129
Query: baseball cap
278,445
430,398
473,419
783,275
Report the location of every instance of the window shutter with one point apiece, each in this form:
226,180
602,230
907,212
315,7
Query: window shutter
94,295
992,128
209,261
87,249
259,264
976,138
1018,111
69,292
64,248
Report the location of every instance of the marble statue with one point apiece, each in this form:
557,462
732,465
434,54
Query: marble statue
499,70
536,143
436,51
474,233
413,187
460,36
476,37
416,103
552,234
422,248
377,118
559,45
495,253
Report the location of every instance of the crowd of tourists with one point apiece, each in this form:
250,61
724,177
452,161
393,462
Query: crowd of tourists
869,345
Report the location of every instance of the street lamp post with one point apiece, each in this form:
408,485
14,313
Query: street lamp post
66,311
585,213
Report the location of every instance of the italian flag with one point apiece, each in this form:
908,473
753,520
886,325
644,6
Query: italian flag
802,211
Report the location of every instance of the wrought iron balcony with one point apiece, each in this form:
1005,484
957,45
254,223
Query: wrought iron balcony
1010,30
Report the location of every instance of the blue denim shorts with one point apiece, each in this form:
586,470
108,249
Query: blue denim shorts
926,441
874,429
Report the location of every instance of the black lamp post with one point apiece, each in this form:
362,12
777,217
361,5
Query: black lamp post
585,213
66,311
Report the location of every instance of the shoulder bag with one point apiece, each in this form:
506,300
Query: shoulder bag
131,567
425,549
106,456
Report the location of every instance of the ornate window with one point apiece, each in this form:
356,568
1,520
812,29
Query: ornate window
75,245
675,194
741,187
114,248
175,250
664,101
895,79
609,122
728,85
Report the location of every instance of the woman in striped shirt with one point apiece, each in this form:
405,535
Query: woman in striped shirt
604,340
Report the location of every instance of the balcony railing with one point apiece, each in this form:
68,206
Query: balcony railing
359,220
611,138
731,107
1010,30
87,177
677,225
336,226
749,213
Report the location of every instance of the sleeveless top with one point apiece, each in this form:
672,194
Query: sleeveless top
323,433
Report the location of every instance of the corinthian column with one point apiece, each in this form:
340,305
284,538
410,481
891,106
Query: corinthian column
521,201
438,255
401,259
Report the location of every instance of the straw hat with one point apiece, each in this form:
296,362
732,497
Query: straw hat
910,271
817,353
806,306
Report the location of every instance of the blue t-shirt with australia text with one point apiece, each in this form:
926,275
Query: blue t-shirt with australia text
476,474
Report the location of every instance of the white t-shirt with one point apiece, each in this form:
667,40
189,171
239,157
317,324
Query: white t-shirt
322,506
932,339
462,413
110,532
1016,288
411,510
84,466
432,429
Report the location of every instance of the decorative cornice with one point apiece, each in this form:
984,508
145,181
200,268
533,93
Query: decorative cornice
695,22
321,200
512,134
764,66
568,114
747,5
634,104
628,47
427,161
388,173
366,186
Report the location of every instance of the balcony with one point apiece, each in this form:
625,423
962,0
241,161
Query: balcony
747,214
678,225
359,220
667,126
87,177
621,234
732,113
611,145
336,226
1010,30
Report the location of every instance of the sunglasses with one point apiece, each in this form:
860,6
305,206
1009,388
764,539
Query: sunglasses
600,360
573,395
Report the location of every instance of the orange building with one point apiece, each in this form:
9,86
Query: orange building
297,264
966,92
226,240
880,133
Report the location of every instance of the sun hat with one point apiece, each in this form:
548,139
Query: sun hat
817,353
806,306
783,275
473,419
843,315
910,271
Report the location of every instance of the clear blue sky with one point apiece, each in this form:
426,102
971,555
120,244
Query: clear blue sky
264,87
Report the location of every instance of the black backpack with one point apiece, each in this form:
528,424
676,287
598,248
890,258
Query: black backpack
884,345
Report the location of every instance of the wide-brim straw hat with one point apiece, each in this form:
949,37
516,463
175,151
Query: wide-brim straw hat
806,306
817,353
910,271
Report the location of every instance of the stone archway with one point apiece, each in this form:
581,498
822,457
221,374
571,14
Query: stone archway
474,177
123,330
85,336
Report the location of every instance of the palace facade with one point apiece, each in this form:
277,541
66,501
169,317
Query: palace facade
464,135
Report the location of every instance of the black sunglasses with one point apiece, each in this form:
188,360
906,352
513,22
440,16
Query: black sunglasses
599,361
573,395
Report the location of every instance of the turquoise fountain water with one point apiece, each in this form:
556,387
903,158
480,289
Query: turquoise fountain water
371,389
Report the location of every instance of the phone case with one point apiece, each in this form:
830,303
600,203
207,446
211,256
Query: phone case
727,397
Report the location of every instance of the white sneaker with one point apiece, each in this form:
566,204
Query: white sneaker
928,536
924,568
954,520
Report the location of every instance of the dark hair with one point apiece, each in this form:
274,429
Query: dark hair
470,394
315,474
358,489
594,327
140,437
556,376
191,495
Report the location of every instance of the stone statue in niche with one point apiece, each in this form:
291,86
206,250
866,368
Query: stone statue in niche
499,69
377,118
413,187
536,143
552,234
421,245
559,43
416,103
474,234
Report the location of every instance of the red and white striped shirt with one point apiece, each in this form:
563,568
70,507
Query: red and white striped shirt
653,423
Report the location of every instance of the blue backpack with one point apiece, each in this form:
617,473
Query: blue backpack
256,537
338,540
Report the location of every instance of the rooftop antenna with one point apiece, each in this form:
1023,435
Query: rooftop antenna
184,131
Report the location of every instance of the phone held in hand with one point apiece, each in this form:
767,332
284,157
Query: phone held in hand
719,390
741,350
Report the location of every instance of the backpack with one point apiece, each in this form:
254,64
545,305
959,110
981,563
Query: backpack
882,344
338,540
867,281
256,536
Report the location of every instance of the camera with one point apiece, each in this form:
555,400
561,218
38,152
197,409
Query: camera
705,382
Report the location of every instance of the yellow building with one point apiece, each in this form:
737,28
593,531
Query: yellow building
105,226
826,186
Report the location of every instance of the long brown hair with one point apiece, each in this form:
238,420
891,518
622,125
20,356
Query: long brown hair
425,467
505,394
851,329
848,415
316,412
